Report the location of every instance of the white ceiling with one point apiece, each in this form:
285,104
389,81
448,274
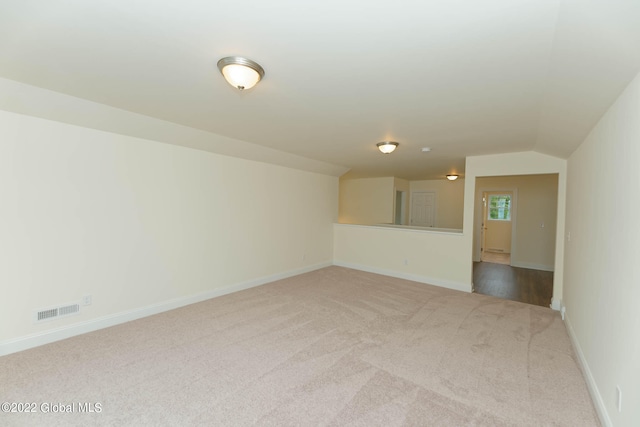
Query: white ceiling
464,77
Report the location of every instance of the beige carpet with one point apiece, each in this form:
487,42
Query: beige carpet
331,347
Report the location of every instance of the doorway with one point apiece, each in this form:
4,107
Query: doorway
497,226
423,208
533,210
399,207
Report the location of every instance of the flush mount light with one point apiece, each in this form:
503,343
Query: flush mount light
426,149
241,73
452,177
387,146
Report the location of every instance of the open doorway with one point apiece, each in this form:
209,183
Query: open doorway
498,216
400,202
530,202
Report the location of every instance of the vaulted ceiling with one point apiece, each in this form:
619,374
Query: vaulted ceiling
463,77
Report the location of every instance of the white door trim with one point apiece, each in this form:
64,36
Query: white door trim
477,225
403,205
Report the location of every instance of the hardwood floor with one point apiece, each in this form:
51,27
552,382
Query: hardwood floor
513,283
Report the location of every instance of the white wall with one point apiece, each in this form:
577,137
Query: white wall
602,268
137,223
449,200
367,201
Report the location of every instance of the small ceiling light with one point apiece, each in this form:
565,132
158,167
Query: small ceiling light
452,177
426,149
387,146
241,73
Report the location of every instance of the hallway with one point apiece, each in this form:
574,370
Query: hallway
513,283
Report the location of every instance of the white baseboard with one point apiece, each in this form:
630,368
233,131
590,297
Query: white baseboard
591,383
532,266
52,335
464,287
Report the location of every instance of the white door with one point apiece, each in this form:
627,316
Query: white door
423,209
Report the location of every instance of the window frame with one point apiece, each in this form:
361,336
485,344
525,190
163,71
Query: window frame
509,208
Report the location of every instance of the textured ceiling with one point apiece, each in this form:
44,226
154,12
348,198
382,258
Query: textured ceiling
460,76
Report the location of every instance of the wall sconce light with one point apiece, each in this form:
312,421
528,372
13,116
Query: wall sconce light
452,177
239,72
387,147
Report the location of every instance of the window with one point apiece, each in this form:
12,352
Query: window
499,207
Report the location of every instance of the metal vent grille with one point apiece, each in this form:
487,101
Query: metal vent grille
57,312
68,309
47,314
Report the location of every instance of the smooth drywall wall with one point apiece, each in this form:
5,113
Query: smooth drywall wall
525,163
134,222
449,200
366,201
535,202
421,255
47,104
602,268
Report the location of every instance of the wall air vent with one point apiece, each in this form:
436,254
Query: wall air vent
57,312
47,314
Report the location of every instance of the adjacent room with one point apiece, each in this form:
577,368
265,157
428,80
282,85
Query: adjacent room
342,213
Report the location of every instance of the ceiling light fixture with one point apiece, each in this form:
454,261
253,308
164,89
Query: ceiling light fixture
241,73
452,177
387,146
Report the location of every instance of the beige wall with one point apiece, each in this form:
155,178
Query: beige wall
367,201
534,216
370,200
137,223
46,104
445,259
449,200
602,269
423,256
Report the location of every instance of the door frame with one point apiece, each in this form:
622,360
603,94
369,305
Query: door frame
403,206
478,218
435,206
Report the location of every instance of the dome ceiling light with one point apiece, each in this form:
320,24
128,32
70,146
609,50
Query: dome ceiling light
387,147
452,176
239,72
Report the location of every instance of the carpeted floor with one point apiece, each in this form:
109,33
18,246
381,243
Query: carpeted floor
331,347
